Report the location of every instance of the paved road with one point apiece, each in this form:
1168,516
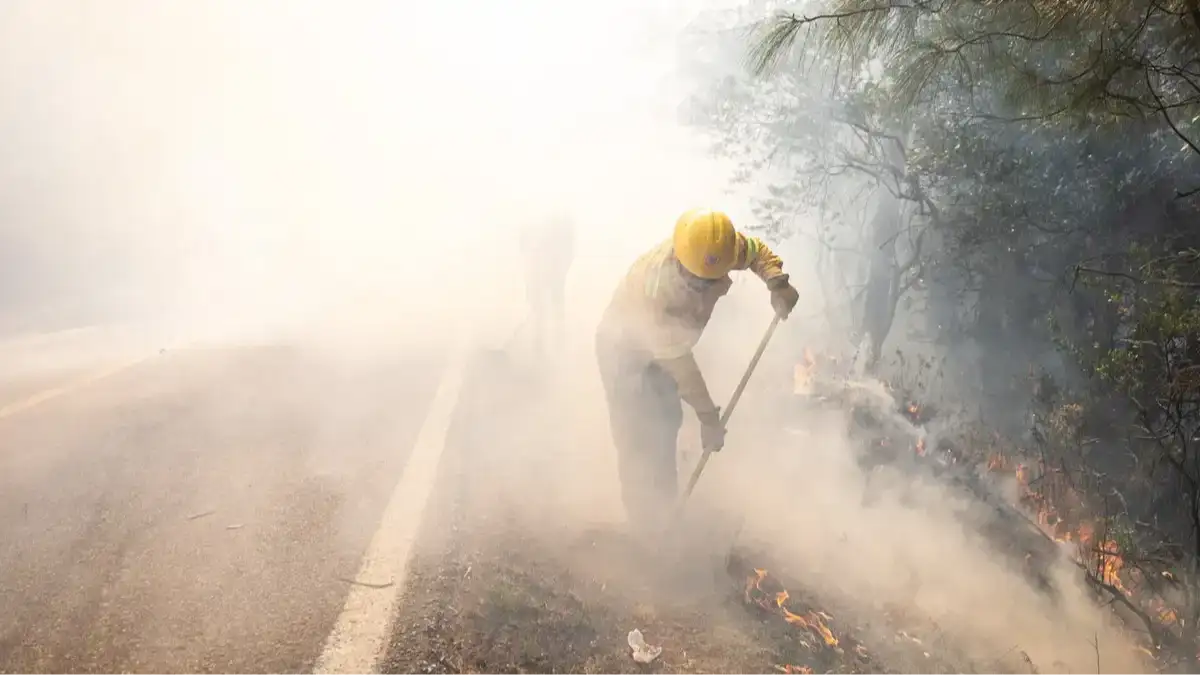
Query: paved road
195,511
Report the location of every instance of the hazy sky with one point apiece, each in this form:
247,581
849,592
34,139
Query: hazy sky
266,147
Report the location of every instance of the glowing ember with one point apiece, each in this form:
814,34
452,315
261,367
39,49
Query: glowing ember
803,374
795,619
1111,563
811,621
1165,615
790,669
780,598
1023,476
800,380
921,447
1086,533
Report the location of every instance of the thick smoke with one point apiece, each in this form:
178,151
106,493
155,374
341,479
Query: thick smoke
355,174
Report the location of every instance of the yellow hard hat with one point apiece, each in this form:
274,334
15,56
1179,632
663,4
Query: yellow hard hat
705,243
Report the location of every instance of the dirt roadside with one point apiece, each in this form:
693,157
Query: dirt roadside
502,582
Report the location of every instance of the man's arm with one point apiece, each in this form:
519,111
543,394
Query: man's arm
692,388
754,255
671,342
757,257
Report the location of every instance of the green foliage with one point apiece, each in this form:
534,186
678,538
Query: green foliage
1046,153
1082,61
1161,348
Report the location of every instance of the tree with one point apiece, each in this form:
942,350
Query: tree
1035,166
823,154
1082,61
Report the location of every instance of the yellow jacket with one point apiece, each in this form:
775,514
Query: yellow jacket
658,310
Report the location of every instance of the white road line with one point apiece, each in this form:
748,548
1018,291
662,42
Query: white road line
361,633
48,394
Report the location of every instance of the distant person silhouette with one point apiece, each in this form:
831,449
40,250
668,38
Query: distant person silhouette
548,247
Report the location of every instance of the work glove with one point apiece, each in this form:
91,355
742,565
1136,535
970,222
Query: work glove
784,296
712,433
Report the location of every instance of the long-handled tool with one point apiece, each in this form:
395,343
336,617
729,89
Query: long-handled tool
737,394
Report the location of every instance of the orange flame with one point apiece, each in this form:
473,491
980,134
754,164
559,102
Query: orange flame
802,375
1111,563
921,447
1108,560
1101,553
754,583
789,669
812,621
794,619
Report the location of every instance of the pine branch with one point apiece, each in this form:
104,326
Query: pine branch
777,39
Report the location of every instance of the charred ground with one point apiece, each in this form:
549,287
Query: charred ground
504,582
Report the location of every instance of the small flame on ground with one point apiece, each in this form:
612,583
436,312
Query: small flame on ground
812,621
801,380
789,669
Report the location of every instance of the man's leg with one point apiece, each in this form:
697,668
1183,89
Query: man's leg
556,309
622,377
665,418
644,417
535,298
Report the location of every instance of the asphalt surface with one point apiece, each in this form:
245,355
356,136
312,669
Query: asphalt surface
196,511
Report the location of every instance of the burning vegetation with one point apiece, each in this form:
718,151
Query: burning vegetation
1060,514
825,379
1047,501
491,598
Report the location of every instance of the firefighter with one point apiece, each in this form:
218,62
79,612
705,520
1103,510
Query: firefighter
644,348
549,248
